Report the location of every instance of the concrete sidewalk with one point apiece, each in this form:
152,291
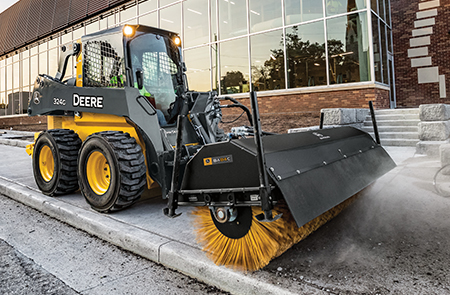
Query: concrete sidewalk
403,201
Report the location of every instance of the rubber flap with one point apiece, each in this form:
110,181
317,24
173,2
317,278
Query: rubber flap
317,170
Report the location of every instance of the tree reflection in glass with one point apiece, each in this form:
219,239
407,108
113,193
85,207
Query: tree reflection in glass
348,49
305,46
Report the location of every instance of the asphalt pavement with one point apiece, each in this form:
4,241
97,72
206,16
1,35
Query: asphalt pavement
393,239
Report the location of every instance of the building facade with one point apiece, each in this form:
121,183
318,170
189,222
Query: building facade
421,32
300,55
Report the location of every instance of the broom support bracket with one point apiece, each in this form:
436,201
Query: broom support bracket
265,191
172,203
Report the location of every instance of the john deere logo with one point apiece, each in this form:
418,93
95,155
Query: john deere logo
217,160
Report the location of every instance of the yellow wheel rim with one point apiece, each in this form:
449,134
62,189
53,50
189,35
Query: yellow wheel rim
98,173
46,163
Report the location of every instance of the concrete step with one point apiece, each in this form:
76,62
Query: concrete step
397,135
397,111
392,129
387,117
399,142
394,123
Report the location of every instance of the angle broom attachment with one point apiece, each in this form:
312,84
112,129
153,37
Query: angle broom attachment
263,242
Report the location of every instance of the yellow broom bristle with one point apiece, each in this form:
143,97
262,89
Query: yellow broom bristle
263,242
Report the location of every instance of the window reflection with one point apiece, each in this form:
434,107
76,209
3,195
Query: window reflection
303,10
232,18
53,61
387,11
342,6
381,8
305,46
150,19
25,71
376,48
234,66
264,15
128,13
147,6
374,5
171,18
268,61
43,63
384,52
16,75
166,2
198,68
348,48
195,22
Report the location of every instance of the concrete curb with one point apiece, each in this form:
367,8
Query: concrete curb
173,254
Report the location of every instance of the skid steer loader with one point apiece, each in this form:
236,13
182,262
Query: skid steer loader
127,122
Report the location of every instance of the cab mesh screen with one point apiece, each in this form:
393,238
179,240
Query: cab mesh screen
102,65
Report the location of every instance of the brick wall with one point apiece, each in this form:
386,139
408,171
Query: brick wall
24,123
409,92
315,101
282,112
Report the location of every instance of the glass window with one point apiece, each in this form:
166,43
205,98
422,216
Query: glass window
159,60
303,10
9,77
66,38
52,61
374,5
232,18
171,18
147,6
381,8
78,33
348,48
268,61
195,22
376,48
305,47
264,15
234,66
384,52
387,7
166,2
111,20
214,32
150,19
342,6
52,43
16,75
34,49
214,67
43,47
34,68
128,13
2,103
26,72
103,23
43,63
389,39
198,68
2,79
92,28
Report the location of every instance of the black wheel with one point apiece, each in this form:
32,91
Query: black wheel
111,170
55,161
